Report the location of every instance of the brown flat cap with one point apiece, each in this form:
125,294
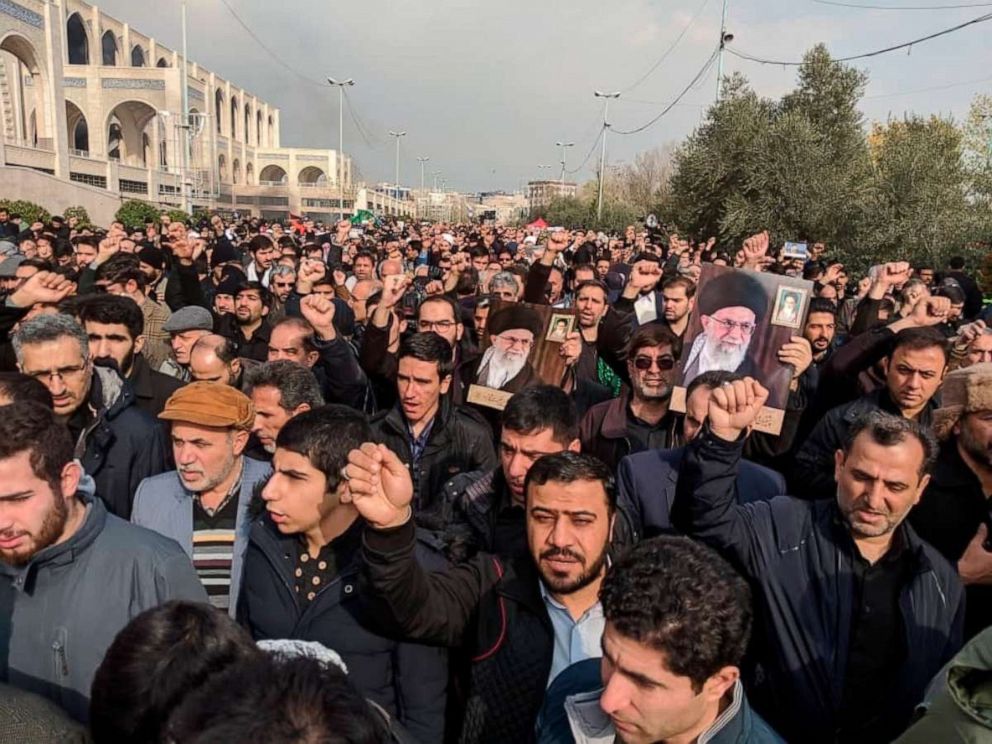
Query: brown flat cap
210,404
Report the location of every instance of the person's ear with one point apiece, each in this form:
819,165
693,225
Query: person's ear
719,683
265,310
235,367
139,344
839,459
885,365
302,408
131,286
312,357
445,384
240,441
574,446
72,473
459,330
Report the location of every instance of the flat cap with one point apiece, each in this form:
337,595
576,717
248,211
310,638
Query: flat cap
210,404
189,318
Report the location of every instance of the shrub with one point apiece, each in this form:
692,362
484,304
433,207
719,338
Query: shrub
29,211
135,212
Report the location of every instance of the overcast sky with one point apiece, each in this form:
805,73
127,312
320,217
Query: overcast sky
486,88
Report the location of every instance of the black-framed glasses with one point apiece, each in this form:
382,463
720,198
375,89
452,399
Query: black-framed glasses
435,325
644,363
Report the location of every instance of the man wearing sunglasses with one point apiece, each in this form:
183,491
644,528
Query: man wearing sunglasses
639,418
731,307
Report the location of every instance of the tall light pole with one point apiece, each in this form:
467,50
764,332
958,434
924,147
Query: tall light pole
725,39
184,126
602,158
397,135
340,159
563,146
436,174
422,161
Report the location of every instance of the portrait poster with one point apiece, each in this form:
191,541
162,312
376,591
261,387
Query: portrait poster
740,320
521,347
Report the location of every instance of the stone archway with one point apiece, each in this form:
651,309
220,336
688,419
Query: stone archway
108,48
311,174
77,128
137,57
131,133
272,174
30,123
250,174
77,40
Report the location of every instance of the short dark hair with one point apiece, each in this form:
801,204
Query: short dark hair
111,309
428,347
568,467
260,242
917,339
23,389
681,281
711,380
593,283
445,300
30,427
304,327
651,336
121,268
248,286
295,383
325,436
956,263
363,254
542,407
277,701
889,430
821,305
681,598
154,662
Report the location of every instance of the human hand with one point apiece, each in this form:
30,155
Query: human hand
339,277
930,311
311,271
45,286
644,276
755,248
318,311
379,486
734,406
975,565
393,289
798,353
434,287
571,348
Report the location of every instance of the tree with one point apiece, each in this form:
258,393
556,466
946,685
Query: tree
29,211
80,214
135,212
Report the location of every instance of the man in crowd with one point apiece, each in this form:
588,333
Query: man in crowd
820,329
526,620
121,275
71,574
678,296
434,438
845,574
263,254
214,359
203,504
185,327
279,391
114,328
301,572
118,444
249,327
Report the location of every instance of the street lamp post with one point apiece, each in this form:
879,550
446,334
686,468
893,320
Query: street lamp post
602,158
563,146
340,159
422,161
397,135
725,39
541,167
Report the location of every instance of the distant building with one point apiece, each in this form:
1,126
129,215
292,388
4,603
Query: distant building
500,208
90,113
540,193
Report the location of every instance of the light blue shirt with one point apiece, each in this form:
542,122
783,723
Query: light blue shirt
575,640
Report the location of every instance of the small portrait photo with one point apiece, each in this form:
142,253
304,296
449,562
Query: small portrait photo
559,327
789,303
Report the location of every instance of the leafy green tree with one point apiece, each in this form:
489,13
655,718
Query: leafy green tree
136,212
29,211
80,214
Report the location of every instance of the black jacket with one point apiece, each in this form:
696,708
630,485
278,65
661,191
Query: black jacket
460,441
151,388
408,680
813,470
491,608
256,347
798,556
603,430
947,517
122,445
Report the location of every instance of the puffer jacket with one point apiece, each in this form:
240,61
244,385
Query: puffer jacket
61,611
460,441
122,446
408,680
799,558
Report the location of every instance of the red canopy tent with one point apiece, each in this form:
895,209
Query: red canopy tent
538,224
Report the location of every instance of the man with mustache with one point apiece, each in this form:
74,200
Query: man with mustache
203,503
730,305
504,365
858,612
525,619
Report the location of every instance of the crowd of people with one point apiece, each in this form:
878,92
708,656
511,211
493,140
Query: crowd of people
247,492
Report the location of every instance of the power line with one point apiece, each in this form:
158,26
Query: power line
670,49
359,126
902,7
699,76
588,154
928,90
271,53
929,37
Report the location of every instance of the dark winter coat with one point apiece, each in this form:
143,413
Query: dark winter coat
151,389
603,430
798,556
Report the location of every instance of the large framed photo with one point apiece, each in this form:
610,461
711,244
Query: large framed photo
521,347
740,320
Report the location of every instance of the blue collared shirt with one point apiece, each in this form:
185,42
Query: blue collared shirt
419,443
575,640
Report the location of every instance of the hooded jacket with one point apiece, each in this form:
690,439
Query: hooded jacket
61,611
122,445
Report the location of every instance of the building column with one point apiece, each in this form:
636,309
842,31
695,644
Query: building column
54,124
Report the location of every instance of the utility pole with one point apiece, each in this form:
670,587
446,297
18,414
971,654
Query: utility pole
563,146
602,158
340,158
397,135
725,39
541,167
422,161
184,126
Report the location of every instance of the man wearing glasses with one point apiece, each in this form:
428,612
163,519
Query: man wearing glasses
731,306
117,443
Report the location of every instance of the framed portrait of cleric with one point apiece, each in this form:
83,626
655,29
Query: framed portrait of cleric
520,348
740,320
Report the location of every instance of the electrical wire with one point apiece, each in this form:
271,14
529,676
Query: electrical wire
699,76
670,49
271,53
902,7
928,90
866,55
359,126
588,154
